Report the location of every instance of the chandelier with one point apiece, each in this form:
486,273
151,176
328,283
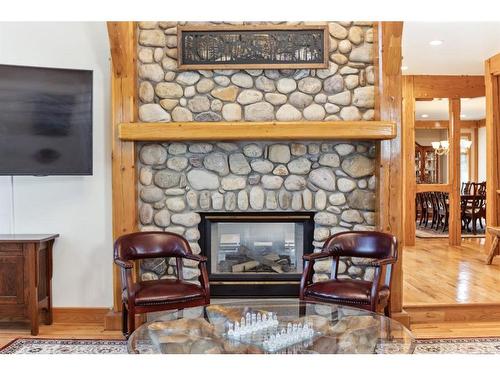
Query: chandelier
443,147
465,145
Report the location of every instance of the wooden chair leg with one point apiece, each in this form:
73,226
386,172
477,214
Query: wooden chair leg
124,320
493,250
302,309
131,321
387,308
435,219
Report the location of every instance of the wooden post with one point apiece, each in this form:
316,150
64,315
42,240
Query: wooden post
122,39
491,76
475,152
455,221
390,182
410,183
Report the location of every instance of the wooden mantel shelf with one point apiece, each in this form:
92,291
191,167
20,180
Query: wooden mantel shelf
234,131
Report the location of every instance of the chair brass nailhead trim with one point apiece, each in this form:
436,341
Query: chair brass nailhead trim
169,302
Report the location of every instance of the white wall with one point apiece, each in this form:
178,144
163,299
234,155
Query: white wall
78,208
5,204
481,154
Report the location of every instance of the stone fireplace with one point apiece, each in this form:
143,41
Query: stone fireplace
183,184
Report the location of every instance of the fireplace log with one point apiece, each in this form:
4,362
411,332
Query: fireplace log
273,257
247,266
277,269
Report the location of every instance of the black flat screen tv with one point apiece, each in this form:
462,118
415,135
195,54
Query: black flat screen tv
45,121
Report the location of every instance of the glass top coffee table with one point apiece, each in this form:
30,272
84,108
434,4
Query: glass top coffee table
282,326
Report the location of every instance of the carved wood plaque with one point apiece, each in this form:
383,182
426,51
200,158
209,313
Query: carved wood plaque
253,47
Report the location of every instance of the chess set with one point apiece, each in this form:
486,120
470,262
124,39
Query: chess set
267,332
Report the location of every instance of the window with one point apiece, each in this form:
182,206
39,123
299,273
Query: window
465,162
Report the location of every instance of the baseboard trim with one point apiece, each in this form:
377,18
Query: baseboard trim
82,315
466,312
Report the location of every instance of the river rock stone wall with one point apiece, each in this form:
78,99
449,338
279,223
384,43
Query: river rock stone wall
343,91
335,180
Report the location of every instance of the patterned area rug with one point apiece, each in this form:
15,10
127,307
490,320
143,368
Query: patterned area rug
427,232
60,346
458,346
81,346
430,233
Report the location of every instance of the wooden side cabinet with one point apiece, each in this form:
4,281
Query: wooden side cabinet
25,278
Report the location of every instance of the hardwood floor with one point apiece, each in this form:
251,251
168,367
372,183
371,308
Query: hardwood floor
456,329
436,273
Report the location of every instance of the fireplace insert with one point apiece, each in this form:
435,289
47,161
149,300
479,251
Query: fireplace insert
256,254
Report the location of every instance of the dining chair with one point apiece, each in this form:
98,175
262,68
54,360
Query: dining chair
419,211
435,210
475,211
466,188
443,210
428,208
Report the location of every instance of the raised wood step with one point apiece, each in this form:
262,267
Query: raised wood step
438,313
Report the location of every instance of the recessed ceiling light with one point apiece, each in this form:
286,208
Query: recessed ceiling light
463,115
404,67
436,42
425,115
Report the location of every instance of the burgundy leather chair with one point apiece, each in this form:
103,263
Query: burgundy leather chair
139,297
381,251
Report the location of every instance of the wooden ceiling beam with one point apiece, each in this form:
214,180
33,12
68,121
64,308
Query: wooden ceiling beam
430,86
431,124
445,124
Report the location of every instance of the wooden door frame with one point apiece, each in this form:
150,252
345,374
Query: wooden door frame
427,87
492,83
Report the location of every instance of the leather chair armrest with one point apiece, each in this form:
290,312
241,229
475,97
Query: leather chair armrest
315,256
382,262
199,258
124,263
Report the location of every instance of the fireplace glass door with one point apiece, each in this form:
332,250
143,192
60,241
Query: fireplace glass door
255,254
256,247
